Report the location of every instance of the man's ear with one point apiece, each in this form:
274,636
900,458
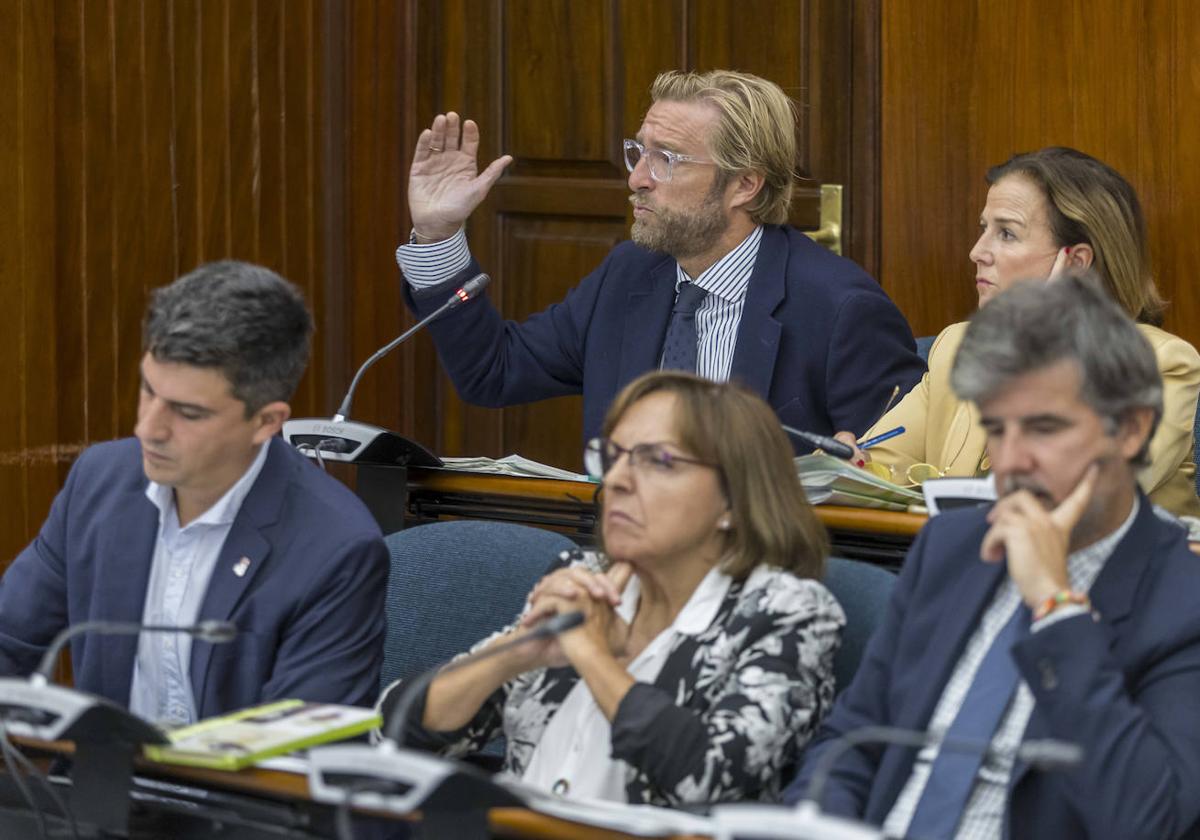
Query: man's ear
270,419
743,188
1133,433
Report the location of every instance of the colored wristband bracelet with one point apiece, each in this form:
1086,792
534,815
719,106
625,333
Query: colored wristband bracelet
1058,599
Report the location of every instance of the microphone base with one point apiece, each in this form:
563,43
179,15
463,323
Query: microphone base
56,713
352,442
452,796
106,736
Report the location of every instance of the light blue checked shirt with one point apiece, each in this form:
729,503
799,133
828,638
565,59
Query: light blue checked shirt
717,319
183,564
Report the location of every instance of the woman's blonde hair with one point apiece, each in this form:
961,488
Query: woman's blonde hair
756,131
726,425
1090,202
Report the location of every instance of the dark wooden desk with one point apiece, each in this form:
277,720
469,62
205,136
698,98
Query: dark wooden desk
285,787
569,507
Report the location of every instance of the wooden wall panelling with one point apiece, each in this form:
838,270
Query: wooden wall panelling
968,85
139,139
29,455
1168,132
373,215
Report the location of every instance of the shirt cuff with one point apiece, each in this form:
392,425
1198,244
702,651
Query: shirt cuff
425,266
1065,611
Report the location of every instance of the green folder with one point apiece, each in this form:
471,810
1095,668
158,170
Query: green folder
237,740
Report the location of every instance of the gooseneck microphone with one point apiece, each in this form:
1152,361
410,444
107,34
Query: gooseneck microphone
806,821
216,632
452,797
831,445
339,439
1045,754
415,687
468,291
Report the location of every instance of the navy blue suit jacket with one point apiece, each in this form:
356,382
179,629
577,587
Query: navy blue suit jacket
818,339
309,608
1125,687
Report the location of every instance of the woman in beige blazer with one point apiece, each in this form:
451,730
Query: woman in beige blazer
1048,211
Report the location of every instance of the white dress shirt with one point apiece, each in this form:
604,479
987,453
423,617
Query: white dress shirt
183,564
983,816
717,318
573,758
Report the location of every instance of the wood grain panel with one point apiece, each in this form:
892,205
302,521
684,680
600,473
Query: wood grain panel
965,86
541,255
28,456
558,113
137,139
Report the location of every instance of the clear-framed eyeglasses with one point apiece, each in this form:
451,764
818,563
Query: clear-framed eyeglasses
660,161
601,454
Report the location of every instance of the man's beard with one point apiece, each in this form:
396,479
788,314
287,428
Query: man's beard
682,234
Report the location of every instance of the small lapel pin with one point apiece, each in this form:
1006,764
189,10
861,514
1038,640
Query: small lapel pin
240,567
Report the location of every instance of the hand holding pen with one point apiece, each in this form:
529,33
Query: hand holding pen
859,456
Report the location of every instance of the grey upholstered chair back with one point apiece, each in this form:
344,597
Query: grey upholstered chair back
863,591
453,583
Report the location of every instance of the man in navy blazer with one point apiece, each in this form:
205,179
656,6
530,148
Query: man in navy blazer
711,175
1097,591
207,515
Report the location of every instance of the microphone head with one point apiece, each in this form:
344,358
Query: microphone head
216,632
560,623
1051,754
475,285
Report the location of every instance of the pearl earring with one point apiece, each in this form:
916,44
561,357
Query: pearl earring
724,524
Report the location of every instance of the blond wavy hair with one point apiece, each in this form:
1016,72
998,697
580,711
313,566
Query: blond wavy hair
756,131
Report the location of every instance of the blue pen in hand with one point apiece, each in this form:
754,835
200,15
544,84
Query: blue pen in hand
888,435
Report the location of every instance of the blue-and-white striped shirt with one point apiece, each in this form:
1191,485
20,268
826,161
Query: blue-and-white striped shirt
717,319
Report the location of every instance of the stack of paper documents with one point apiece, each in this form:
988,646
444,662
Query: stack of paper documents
512,465
831,481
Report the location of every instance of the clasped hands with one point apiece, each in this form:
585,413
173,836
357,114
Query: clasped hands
1035,541
596,595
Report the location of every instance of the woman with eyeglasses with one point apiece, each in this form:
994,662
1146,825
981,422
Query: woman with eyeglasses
705,658
1049,211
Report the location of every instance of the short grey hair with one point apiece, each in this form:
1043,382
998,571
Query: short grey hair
1036,324
241,319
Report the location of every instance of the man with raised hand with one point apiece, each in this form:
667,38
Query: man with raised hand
1064,611
714,281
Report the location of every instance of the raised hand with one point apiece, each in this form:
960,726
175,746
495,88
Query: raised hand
1035,541
444,183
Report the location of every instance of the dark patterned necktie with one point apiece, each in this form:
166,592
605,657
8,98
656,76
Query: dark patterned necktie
679,350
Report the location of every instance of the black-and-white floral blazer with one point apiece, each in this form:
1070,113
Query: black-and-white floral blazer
724,720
